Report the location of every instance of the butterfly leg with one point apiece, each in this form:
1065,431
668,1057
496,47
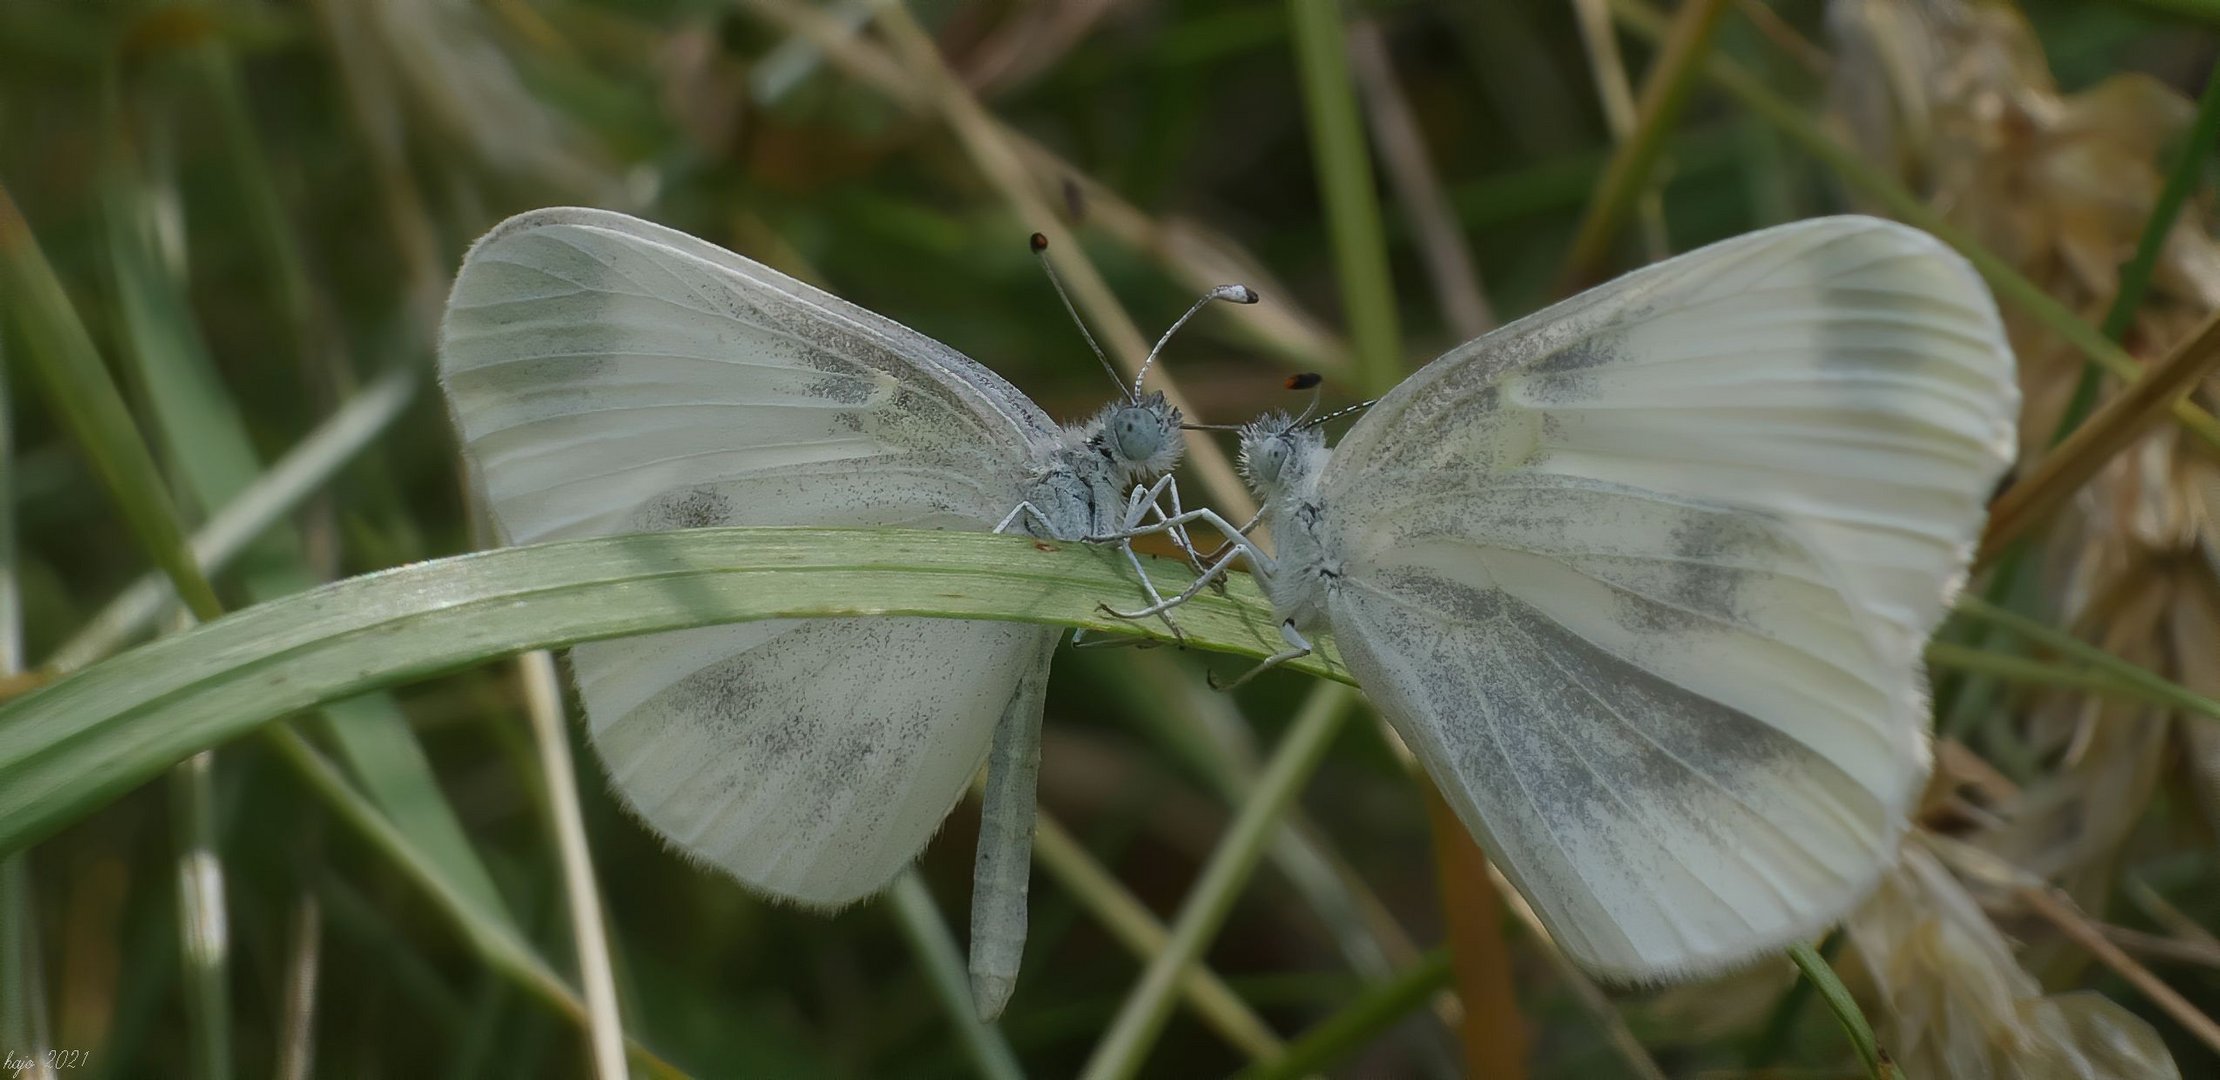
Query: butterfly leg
1235,537
1145,501
1167,488
1298,647
1080,640
1157,605
1139,504
1210,575
1022,509
1219,584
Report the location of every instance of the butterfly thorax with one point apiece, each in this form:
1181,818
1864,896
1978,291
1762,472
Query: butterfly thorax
1074,494
1079,483
1303,573
1283,460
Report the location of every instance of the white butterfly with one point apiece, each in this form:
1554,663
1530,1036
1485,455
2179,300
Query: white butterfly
609,375
1644,579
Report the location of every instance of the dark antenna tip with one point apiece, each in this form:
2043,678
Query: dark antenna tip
1304,380
1040,251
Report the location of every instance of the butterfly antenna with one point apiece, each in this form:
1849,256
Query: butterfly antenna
1311,381
1210,427
1040,251
1341,412
1239,294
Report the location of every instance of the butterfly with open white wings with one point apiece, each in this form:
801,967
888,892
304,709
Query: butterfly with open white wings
1644,579
609,375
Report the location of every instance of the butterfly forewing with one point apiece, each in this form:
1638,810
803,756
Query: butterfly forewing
608,376
1644,579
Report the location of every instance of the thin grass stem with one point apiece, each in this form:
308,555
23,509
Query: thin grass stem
935,944
304,969
2118,425
2055,906
1144,935
997,158
1344,166
22,979
543,704
203,923
1821,975
1125,1047
1381,1007
1685,48
2124,675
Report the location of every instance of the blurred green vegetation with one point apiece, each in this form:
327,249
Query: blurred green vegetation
254,208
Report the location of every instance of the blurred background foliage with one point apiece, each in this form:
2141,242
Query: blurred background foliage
255,208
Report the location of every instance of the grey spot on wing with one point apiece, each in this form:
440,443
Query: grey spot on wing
804,743
1580,355
842,387
1665,736
851,751
1564,388
685,508
1702,582
1520,704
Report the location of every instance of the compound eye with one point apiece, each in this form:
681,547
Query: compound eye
1138,439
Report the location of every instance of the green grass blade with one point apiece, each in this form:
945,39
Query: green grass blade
1845,1008
79,742
497,943
935,947
1780,1024
1381,1007
2120,674
256,193
61,352
303,471
1344,165
2006,667
205,439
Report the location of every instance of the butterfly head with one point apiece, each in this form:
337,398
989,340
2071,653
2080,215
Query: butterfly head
1140,437
1279,452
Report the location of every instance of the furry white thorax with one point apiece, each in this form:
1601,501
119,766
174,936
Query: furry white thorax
1282,461
1080,486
